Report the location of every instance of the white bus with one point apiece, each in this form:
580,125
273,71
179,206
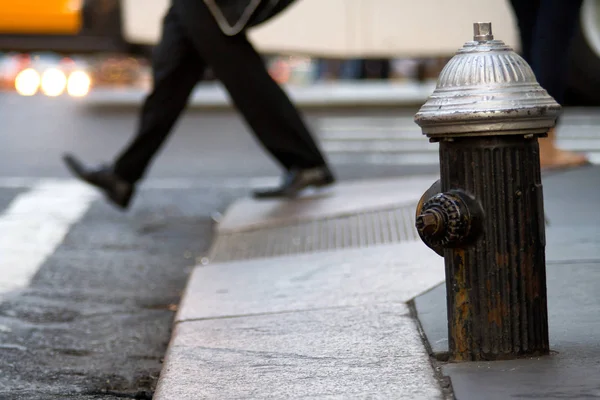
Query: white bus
318,28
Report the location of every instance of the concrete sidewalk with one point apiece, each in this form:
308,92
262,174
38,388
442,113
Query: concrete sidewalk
310,299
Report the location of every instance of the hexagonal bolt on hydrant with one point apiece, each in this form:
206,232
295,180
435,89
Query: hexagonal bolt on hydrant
486,216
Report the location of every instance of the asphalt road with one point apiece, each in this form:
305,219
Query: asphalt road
87,293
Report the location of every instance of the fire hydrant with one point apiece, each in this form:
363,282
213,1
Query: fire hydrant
485,215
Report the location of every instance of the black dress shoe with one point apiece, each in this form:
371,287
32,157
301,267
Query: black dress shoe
296,180
117,190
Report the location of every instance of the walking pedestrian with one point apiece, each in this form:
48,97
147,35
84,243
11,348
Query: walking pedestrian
201,34
547,28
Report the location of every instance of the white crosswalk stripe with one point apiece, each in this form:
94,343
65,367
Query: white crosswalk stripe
34,224
36,221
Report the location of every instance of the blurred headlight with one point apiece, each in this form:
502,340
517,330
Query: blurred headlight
27,82
54,82
78,84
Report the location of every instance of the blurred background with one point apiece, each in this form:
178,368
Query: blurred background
71,47
73,74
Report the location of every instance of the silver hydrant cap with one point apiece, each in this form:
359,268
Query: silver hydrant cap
487,89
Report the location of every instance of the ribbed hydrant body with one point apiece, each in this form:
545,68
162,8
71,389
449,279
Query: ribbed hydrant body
486,214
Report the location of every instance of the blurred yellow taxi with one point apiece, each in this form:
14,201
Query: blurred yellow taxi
41,16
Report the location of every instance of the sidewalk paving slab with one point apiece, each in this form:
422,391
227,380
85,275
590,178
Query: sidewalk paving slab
390,273
369,351
322,325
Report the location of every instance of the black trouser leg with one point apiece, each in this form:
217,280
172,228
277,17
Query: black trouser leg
264,105
547,28
526,14
555,29
177,68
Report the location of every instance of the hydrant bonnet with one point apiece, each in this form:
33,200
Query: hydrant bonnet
487,89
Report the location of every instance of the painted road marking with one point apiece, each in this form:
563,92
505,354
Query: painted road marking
36,222
34,225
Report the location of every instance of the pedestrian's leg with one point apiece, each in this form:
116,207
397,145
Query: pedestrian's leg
552,37
177,68
264,105
557,24
386,68
526,14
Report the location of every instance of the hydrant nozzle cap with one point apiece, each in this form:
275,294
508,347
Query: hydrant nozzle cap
482,31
